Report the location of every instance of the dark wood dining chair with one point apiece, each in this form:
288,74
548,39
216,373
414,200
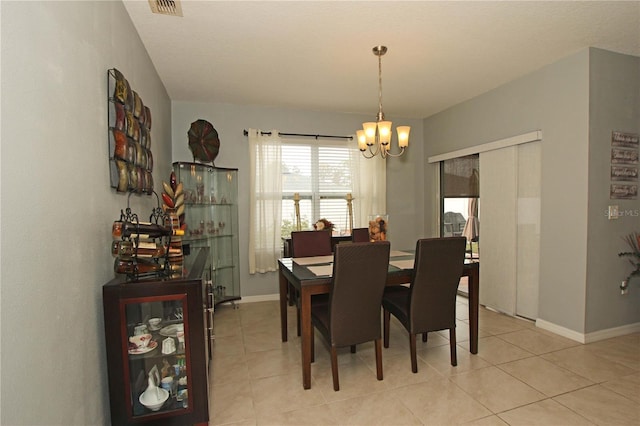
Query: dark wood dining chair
429,303
308,244
360,235
352,315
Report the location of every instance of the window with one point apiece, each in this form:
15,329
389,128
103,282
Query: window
460,193
321,173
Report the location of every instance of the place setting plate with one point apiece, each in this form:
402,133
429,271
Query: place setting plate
139,351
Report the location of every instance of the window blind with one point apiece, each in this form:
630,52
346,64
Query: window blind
321,173
460,177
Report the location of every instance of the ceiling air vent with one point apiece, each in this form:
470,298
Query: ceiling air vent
166,7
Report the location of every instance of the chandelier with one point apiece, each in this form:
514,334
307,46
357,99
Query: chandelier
375,136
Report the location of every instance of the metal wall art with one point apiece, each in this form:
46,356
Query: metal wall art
130,158
203,141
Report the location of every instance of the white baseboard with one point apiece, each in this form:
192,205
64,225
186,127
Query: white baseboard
261,298
612,332
588,337
562,331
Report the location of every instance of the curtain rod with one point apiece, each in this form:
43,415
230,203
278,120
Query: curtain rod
246,133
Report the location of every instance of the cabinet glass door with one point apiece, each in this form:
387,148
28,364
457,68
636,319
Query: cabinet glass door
211,218
157,359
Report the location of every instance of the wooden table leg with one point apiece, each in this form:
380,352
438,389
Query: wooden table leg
474,288
305,322
284,285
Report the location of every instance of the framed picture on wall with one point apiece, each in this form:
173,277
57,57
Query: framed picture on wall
623,191
627,140
624,156
624,173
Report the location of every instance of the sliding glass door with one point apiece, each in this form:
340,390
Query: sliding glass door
459,200
510,186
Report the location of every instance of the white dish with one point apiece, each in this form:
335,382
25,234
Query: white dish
154,398
155,323
152,345
171,330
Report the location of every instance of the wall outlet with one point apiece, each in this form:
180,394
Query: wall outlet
624,287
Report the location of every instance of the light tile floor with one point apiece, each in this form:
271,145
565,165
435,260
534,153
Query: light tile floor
521,375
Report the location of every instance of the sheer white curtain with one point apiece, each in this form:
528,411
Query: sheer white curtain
369,187
265,216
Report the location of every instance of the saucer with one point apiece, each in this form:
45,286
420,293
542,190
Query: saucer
170,330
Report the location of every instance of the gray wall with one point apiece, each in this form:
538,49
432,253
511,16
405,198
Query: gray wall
57,206
614,82
405,196
554,99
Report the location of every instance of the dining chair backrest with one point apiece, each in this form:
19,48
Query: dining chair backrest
360,235
437,270
359,278
310,243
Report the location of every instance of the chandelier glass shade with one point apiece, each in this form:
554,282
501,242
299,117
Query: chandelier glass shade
375,136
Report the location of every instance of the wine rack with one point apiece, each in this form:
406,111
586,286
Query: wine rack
150,249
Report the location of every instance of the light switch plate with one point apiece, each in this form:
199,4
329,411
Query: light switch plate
613,212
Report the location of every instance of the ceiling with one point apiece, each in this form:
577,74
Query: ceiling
316,55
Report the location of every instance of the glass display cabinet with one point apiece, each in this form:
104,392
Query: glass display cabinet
157,347
211,216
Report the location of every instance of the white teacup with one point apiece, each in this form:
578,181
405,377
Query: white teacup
140,329
155,322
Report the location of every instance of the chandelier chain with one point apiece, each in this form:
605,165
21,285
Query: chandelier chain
380,113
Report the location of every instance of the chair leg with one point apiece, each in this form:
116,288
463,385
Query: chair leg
424,337
353,349
387,318
452,345
298,319
334,368
379,358
412,349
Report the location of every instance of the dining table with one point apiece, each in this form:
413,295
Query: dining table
312,275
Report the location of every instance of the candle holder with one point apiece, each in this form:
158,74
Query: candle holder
349,199
296,205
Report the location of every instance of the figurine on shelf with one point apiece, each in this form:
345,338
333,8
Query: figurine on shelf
173,197
166,368
173,208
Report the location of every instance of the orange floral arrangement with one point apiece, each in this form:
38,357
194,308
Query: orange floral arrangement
378,229
323,225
